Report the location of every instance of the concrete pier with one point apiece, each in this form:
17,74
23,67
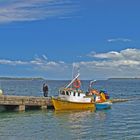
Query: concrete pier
25,101
21,103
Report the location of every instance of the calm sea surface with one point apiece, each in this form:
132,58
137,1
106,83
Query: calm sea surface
121,122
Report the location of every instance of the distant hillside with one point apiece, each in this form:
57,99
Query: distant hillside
17,78
123,79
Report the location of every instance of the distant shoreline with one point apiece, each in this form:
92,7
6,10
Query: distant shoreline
18,78
40,78
123,79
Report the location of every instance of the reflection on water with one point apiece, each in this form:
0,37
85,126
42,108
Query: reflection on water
101,115
75,122
73,118
79,124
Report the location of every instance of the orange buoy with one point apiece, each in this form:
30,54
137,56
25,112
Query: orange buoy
77,83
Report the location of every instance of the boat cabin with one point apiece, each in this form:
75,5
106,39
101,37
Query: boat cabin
73,95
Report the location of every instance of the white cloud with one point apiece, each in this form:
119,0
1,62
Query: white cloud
109,55
29,10
45,57
125,63
119,40
127,54
10,62
39,66
41,62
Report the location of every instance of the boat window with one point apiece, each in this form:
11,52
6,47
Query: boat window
67,93
78,93
73,93
62,92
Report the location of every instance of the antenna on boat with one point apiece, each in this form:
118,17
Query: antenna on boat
74,77
73,71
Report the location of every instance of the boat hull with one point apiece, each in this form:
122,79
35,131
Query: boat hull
68,105
104,105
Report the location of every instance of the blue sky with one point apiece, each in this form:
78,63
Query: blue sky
45,38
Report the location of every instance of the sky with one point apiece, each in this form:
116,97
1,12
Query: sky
46,38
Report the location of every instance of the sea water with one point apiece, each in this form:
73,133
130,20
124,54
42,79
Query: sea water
121,122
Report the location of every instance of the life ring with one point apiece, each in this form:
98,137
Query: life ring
77,84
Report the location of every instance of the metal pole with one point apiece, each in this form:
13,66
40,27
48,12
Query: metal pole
73,80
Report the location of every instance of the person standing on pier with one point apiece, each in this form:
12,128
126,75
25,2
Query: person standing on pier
45,90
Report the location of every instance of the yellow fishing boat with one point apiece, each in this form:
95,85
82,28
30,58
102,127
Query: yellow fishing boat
70,104
73,98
